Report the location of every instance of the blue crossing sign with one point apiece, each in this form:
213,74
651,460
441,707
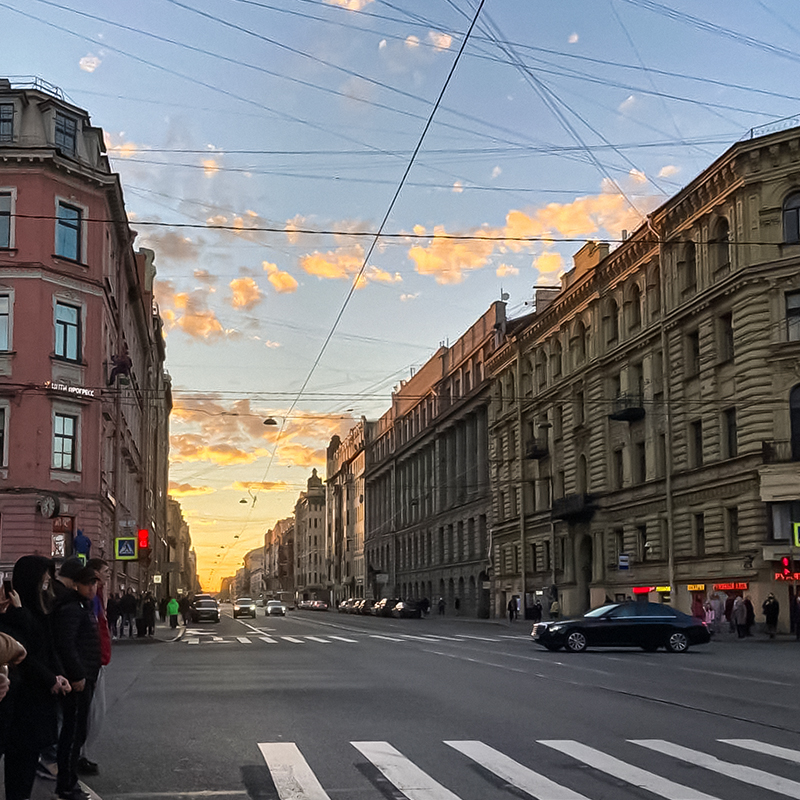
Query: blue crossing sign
126,548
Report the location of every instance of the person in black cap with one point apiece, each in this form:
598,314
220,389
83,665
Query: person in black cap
78,645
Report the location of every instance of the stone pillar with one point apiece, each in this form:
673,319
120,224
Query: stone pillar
482,437
461,460
450,467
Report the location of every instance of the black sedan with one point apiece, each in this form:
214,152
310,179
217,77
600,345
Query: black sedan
204,609
645,625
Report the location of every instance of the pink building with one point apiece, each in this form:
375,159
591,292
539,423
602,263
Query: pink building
84,398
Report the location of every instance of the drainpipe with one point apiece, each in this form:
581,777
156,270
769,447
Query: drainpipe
521,483
665,382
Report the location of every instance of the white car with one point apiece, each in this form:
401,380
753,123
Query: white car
244,606
275,609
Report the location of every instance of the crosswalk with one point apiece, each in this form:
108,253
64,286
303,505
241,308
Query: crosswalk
203,637
294,778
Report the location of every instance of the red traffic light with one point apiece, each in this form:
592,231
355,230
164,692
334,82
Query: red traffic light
144,539
786,566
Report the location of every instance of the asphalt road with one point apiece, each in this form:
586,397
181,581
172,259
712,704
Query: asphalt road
321,705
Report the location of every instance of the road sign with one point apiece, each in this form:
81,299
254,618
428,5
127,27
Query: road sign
796,534
126,548
156,579
624,561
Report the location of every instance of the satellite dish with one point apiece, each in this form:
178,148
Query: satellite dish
504,296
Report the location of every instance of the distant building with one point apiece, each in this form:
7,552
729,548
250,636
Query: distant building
312,576
279,559
180,567
84,398
254,566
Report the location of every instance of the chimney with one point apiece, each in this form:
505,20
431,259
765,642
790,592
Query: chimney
588,257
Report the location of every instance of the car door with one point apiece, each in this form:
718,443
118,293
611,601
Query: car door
617,628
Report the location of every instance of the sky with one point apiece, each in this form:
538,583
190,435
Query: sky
334,188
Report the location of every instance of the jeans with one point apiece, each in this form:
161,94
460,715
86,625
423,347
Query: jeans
75,707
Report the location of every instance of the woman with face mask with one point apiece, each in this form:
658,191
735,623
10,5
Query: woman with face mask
34,717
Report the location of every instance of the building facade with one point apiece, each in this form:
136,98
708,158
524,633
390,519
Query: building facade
645,419
84,398
180,566
312,570
279,560
427,479
345,512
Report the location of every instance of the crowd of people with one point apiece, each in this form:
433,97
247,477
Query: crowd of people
55,642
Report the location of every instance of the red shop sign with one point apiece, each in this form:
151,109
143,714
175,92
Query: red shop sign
731,587
643,589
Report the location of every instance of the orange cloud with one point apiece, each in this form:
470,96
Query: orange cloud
339,264
210,167
549,263
245,293
191,447
282,282
300,455
187,490
447,259
506,269
441,41
261,486
117,146
189,311
350,5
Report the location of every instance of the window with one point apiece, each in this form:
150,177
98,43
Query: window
69,230
617,469
720,248
661,455
580,414
730,446
68,332
546,559
696,443
3,437
579,343
612,323
699,535
641,462
791,216
5,220
619,542
725,332
64,441
643,545
557,359
687,268
6,122
5,322
636,381
66,133
558,422
692,353
635,316
732,528
793,316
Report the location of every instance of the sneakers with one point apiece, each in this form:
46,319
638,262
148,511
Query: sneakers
86,767
76,793
46,771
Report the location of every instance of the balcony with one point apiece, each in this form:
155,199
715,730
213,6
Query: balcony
627,408
573,508
780,452
537,448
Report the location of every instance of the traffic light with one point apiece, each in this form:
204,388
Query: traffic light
786,567
143,537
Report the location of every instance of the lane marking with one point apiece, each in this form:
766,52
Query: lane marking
192,641
317,639
421,638
479,638
292,639
402,773
290,772
243,640
514,773
763,747
387,638
626,772
755,777
268,639
345,639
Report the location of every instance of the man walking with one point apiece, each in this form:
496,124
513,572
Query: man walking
771,609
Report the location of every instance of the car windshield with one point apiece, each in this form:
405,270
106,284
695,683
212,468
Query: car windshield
244,601
598,612
206,604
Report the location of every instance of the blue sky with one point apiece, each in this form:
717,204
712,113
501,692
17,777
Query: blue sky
256,139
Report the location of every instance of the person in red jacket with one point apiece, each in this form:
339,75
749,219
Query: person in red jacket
86,765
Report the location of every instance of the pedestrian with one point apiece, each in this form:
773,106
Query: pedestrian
127,608
39,679
555,609
739,617
457,606
185,606
441,604
771,608
162,609
426,606
86,764
112,614
729,601
751,615
698,609
173,607
78,645
537,612
717,607
149,614
511,608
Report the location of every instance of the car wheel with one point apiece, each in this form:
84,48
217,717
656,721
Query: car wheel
576,642
553,647
677,642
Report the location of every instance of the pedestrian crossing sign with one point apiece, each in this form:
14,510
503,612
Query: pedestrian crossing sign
126,548
796,534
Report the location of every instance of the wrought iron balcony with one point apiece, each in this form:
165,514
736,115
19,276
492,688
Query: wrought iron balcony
537,448
573,507
627,408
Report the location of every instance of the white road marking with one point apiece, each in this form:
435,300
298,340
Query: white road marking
755,777
243,640
292,639
290,772
402,773
317,639
268,640
216,639
479,638
763,747
345,639
387,638
626,772
514,773
420,638
192,641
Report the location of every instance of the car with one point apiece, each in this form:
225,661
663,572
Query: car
304,605
346,606
204,608
384,606
244,607
407,609
630,624
319,605
275,608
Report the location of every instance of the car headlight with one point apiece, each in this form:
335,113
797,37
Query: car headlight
555,628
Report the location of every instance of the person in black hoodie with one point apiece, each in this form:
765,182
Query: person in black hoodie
33,724
78,646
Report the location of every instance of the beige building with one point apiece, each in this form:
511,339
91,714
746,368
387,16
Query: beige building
180,572
345,512
645,420
255,585
279,559
427,482
312,577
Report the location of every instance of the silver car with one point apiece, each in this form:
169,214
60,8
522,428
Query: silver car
275,609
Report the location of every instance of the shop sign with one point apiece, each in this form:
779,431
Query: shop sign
795,576
80,391
643,589
696,587
731,587
156,579
624,561
664,589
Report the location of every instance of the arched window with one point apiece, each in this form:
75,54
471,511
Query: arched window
579,343
687,268
791,218
556,359
635,314
720,247
583,475
654,291
541,370
794,411
611,320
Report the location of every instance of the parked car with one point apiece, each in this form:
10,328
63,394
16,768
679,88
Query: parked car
244,607
275,609
633,624
304,605
346,606
319,605
407,609
204,608
383,608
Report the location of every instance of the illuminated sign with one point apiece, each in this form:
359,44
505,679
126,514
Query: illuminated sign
731,587
643,589
664,589
792,576
696,587
67,389
126,548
